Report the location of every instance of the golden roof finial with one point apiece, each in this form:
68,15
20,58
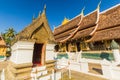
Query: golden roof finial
65,21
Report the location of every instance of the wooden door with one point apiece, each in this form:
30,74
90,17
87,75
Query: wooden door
37,54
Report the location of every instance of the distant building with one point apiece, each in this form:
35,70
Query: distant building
93,31
3,47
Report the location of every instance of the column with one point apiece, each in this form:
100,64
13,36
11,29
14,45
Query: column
115,50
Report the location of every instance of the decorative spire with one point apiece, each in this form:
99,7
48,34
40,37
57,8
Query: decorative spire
98,7
54,27
33,18
44,8
39,14
82,11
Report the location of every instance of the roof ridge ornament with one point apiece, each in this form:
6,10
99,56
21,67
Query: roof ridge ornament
39,14
54,27
82,11
98,11
74,32
33,18
44,10
98,7
82,15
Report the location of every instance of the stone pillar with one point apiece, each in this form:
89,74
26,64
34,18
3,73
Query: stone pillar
116,52
116,55
22,52
106,68
50,54
79,56
84,65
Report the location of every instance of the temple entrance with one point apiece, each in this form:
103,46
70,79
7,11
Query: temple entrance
37,54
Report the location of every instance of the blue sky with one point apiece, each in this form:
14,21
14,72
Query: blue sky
18,13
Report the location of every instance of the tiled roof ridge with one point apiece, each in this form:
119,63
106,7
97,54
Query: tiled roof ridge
110,8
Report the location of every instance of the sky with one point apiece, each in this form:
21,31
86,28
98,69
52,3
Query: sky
18,13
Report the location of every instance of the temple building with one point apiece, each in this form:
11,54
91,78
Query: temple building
32,47
40,33
94,31
3,47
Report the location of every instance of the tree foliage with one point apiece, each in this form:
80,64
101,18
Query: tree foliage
9,35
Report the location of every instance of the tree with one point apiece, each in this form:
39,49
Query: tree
9,35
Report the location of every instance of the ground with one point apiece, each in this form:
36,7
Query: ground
81,76
2,66
75,75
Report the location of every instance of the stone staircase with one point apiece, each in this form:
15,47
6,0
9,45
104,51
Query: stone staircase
45,72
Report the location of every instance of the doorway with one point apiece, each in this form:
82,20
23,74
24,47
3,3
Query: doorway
37,54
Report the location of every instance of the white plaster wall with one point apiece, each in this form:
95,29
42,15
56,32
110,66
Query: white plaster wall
106,69
75,66
24,56
115,72
83,65
116,54
50,54
22,52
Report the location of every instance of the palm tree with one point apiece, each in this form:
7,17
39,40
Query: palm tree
10,33
8,36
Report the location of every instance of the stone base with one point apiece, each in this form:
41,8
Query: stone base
18,72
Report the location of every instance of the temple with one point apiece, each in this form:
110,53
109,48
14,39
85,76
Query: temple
36,49
32,50
3,47
40,33
94,31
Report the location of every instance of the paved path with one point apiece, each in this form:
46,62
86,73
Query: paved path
75,75
3,65
81,76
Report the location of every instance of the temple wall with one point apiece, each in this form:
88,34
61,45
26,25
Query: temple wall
50,54
2,51
20,64
22,52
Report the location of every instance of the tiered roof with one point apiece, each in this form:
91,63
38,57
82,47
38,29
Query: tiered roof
108,25
38,31
63,31
77,27
100,26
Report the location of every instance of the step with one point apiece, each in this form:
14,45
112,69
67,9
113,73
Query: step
50,65
50,61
